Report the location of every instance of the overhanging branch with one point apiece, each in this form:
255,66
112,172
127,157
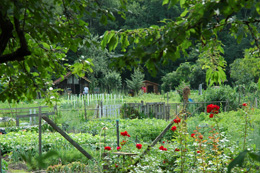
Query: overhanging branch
21,52
6,28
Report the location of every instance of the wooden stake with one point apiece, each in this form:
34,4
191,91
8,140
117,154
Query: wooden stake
66,136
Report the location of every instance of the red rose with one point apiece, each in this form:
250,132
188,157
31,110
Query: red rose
192,135
161,147
177,120
173,128
211,116
244,104
118,148
125,133
164,149
138,146
177,149
116,165
163,142
107,148
123,142
213,108
198,152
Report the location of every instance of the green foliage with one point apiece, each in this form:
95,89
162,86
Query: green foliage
221,93
240,159
38,161
4,166
33,49
136,81
112,81
71,167
246,70
170,80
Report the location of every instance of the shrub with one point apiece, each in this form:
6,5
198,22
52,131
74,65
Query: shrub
221,93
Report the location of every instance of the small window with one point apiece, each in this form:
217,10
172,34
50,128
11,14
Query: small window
73,80
69,80
76,80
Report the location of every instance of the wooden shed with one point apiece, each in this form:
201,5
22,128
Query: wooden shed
72,83
151,87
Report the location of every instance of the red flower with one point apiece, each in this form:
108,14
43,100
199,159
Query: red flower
244,104
138,146
163,142
177,120
177,149
200,136
118,148
211,116
123,142
116,165
198,152
164,162
192,135
173,128
125,133
162,148
107,148
212,108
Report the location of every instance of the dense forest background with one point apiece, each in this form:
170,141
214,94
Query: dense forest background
143,14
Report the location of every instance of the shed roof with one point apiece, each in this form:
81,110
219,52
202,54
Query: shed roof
57,81
149,82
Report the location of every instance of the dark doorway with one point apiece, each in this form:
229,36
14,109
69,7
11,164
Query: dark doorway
150,89
77,89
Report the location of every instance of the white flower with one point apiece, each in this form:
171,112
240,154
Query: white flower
50,88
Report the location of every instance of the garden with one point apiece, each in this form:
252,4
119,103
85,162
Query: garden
213,140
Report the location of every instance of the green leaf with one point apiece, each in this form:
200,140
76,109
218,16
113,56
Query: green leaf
237,161
103,19
165,2
182,2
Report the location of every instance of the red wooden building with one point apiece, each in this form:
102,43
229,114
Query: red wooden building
151,87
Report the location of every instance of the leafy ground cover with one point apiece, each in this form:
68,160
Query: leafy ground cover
199,143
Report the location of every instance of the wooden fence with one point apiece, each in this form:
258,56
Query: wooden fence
158,110
30,112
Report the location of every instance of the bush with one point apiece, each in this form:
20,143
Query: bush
221,93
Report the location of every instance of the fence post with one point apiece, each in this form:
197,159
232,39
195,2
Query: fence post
34,118
17,121
176,108
30,112
142,106
117,132
85,109
40,131
255,102
101,104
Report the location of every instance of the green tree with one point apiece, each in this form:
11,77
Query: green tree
35,36
136,81
112,81
246,70
200,22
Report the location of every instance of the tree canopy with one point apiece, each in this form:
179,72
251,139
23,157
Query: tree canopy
35,36
201,21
